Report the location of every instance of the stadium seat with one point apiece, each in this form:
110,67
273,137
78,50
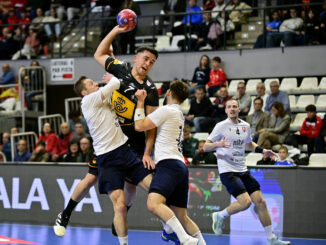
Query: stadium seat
201,136
304,100
297,122
233,86
268,81
292,102
174,44
322,85
158,85
308,84
289,84
321,114
212,99
321,102
251,85
162,43
252,158
317,160
161,100
185,106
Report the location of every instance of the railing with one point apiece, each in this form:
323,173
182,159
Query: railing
29,137
81,37
55,120
72,104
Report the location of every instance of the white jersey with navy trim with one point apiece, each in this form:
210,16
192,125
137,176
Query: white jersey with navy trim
231,159
169,121
101,119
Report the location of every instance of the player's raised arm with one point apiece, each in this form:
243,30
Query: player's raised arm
142,123
103,50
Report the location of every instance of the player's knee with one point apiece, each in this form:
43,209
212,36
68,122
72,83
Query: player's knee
120,208
261,203
152,205
245,204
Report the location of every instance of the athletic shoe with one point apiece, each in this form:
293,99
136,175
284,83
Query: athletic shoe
191,241
170,237
217,223
276,241
60,225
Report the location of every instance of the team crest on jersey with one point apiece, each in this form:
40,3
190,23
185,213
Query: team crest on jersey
244,129
148,83
122,105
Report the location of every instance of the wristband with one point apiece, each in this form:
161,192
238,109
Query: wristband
139,114
259,149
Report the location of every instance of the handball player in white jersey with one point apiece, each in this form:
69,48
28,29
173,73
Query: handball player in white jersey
168,192
230,138
116,161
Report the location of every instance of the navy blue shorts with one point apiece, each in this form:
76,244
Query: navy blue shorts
117,166
239,183
171,180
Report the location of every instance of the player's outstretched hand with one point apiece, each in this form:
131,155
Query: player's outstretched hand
121,29
141,95
106,77
148,162
224,143
270,154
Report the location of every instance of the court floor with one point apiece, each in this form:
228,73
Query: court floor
37,234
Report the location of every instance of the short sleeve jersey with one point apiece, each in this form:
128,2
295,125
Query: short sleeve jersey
124,100
169,121
231,159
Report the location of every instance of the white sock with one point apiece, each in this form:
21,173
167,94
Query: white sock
166,227
269,232
176,226
200,238
123,240
224,214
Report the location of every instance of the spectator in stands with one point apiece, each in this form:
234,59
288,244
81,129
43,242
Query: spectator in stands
189,144
80,131
22,155
271,27
217,77
203,157
310,129
40,154
199,109
284,159
201,74
258,119
218,111
24,19
74,154
203,40
70,8
48,137
277,95
192,21
52,30
228,28
239,16
289,30
219,7
33,5
279,127
311,31
322,32
320,142
61,147
86,149
31,46
266,160
74,117
38,20
12,19
261,93
208,5
128,39
243,98
8,46
6,146
7,75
